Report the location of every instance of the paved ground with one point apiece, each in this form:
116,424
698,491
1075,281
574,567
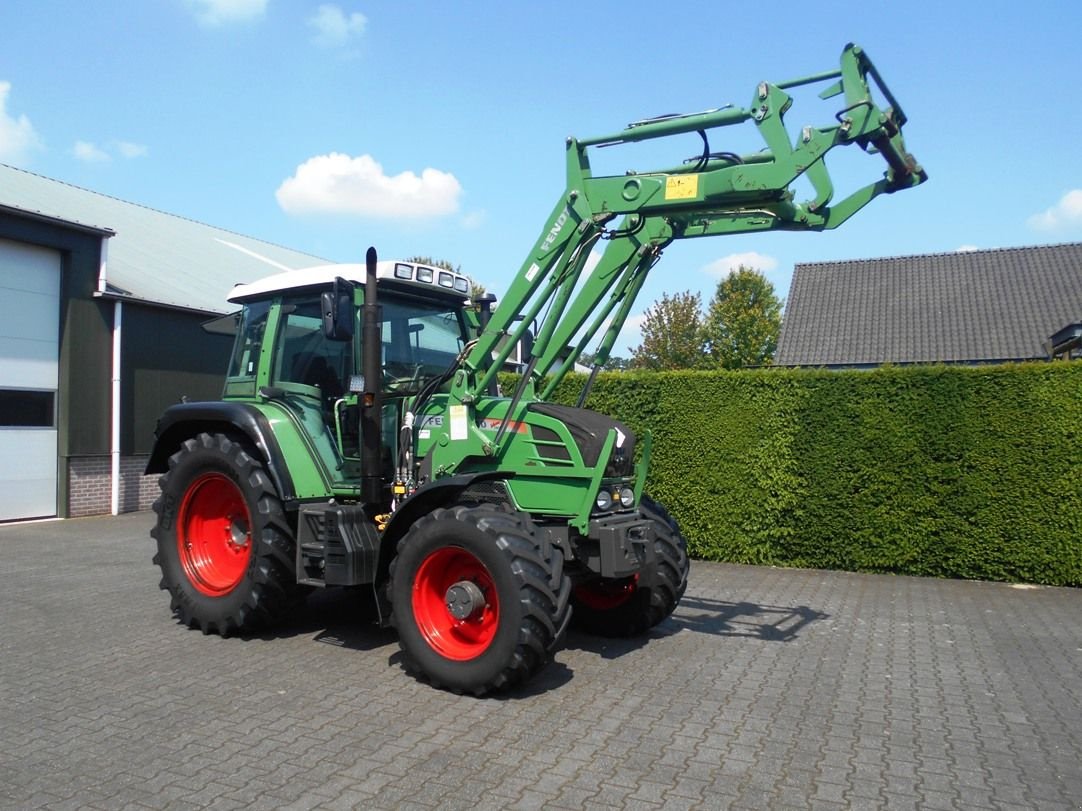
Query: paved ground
767,689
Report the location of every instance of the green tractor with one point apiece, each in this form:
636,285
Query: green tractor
362,440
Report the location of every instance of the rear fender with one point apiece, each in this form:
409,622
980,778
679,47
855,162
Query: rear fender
184,420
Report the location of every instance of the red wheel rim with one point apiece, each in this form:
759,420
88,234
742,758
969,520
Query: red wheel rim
214,534
605,595
451,637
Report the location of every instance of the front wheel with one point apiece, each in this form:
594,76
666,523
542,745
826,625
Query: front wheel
479,597
623,607
225,549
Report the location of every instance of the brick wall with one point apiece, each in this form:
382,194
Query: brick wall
89,479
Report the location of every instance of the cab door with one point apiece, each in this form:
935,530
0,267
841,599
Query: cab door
313,373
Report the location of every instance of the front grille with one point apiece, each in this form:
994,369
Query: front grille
486,492
555,452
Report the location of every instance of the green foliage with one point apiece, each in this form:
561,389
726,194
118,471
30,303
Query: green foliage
476,288
672,334
436,263
613,364
740,328
743,321
942,471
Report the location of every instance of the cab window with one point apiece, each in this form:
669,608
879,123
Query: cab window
253,323
304,356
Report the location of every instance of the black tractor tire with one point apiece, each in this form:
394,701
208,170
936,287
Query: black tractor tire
479,599
225,548
624,607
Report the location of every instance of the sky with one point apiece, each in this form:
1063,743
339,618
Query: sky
438,128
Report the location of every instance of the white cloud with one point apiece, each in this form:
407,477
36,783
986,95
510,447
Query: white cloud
213,13
720,268
17,135
127,149
474,219
334,28
90,153
1066,214
340,184
966,249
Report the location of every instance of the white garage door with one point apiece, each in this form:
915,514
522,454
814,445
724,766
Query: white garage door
29,334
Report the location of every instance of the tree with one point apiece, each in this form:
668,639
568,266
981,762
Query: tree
672,334
476,290
436,263
614,364
743,321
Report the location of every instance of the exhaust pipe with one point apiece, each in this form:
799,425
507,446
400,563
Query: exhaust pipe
371,399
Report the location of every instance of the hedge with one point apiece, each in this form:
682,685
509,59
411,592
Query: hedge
944,471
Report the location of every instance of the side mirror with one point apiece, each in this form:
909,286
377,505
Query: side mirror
336,306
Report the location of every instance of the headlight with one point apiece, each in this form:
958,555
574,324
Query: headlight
604,501
627,497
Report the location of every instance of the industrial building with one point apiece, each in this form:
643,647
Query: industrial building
101,307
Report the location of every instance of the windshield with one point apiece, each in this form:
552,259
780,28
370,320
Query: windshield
421,340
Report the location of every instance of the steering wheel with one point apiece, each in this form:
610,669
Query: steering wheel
402,376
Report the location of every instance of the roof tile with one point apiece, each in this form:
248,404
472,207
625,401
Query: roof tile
960,307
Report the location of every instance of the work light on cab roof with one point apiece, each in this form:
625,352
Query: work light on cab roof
425,276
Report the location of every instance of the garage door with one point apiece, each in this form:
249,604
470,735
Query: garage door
29,333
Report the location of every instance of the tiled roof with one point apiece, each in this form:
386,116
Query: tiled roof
961,307
155,257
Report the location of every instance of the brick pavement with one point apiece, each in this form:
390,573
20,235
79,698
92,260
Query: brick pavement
768,688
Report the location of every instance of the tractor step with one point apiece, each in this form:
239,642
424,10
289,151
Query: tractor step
338,545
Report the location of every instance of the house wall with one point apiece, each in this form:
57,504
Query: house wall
165,355
90,485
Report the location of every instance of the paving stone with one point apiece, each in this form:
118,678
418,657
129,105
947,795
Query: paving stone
768,688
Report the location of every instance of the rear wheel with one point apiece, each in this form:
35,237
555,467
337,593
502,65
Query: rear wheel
624,607
225,549
480,600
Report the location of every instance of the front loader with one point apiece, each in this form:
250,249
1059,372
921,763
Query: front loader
361,440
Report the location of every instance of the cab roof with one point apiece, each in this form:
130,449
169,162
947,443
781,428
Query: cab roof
406,275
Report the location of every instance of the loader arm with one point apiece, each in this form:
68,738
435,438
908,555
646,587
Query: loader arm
713,194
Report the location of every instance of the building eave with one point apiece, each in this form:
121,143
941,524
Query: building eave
71,225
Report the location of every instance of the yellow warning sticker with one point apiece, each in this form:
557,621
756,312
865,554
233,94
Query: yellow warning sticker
681,187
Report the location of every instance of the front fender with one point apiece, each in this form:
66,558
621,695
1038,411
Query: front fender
432,496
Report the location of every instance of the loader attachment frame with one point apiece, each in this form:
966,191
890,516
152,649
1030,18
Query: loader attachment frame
714,194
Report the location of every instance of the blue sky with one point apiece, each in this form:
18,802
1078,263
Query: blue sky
438,128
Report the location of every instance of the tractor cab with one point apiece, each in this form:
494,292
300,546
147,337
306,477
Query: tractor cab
289,348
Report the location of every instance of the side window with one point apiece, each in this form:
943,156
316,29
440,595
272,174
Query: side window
253,323
304,356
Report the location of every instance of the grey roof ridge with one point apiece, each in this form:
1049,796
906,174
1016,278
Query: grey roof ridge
1009,249
149,208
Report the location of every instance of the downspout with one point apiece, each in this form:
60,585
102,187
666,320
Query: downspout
114,427
114,444
102,284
